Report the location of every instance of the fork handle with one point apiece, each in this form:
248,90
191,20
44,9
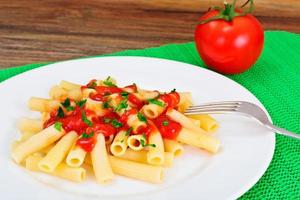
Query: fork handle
283,131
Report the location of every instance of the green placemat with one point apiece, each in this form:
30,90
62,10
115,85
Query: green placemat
275,81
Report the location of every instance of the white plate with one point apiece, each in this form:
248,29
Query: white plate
246,152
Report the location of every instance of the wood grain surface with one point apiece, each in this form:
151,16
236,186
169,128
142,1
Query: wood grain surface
34,31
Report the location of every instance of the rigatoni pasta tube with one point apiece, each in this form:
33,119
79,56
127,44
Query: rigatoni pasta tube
57,93
141,156
75,94
146,94
42,105
76,156
68,85
182,119
36,143
155,154
134,142
201,140
173,147
101,165
119,144
26,136
185,101
77,174
207,123
140,171
56,155
134,122
30,125
195,121
152,110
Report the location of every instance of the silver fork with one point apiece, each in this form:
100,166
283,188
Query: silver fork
240,107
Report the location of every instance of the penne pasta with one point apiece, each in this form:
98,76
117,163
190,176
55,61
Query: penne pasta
57,154
183,120
68,85
42,105
134,142
119,144
101,165
173,147
152,110
144,172
197,139
185,101
76,156
134,122
75,94
142,157
77,174
109,139
196,122
146,94
37,142
95,106
87,91
26,136
58,93
208,123
30,125
156,151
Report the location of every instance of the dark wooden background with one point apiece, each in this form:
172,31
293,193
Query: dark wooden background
52,30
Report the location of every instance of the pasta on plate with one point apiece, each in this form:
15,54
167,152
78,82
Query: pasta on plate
126,131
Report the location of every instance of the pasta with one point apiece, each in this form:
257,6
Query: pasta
207,123
109,130
101,165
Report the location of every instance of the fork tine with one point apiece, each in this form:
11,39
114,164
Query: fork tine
223,103
211,110
213,106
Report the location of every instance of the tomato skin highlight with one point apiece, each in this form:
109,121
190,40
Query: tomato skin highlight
229,47
87,144
135,101
169,131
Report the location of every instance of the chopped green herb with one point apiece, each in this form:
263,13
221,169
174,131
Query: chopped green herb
122,141
143,142
156,102
60,112
81,103
105,105
92,85
141,117
66,103
122,105
124,94
174,90
86,120
115,123
108,82
70,108
128,131
58,126
106,120
165,123
87,136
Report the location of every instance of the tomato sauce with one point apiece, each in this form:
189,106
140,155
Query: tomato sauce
168,128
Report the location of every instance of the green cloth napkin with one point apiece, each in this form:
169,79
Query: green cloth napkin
275,81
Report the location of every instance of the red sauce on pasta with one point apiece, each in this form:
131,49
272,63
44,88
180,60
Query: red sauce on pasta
168,128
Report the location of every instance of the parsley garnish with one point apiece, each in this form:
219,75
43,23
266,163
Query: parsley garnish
105,105
122,105
156,102
128,131
66,103
174,90
115,123
92,85
60,112
165,123
87,136
143,142
58,126
122,141
70,108
141,117
86,120
106,120
108,82
124,94
81,103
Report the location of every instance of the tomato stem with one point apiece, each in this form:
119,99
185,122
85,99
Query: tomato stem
229,11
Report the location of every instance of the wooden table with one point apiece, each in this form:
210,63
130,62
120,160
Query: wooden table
52,30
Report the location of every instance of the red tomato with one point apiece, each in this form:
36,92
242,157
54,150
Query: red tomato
229,46
105,129
168,129
135,101
87,144
171,99
125,116
104,90
97,97
132,88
